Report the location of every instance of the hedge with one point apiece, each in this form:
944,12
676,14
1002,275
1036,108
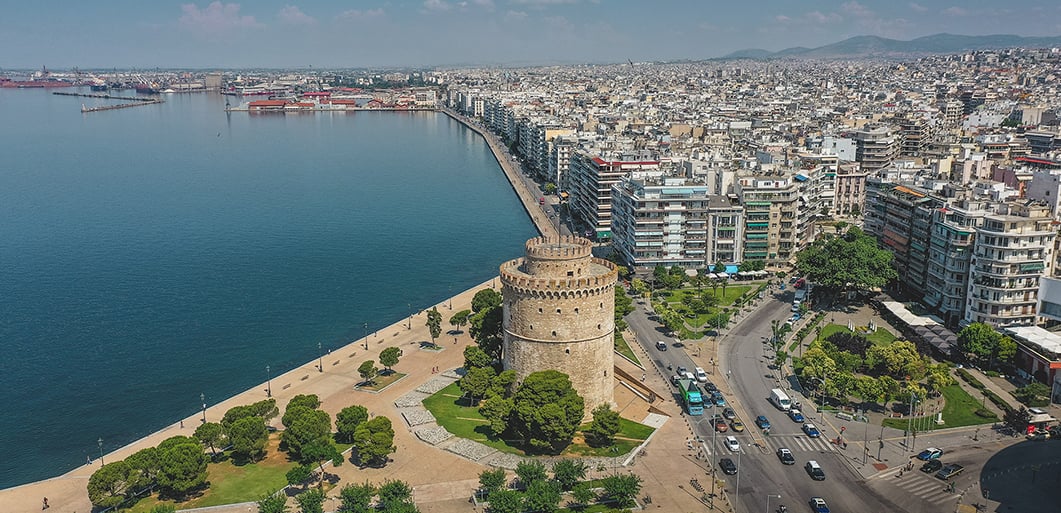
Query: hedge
975,383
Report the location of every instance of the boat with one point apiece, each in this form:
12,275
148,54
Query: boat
99,87
147,89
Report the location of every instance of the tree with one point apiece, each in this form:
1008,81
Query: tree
898,359
298,475
529,472
459,319
434,324
394,492
486,329
622,488
163,508
1033,394
109,484
310,401
869,389
175,441
311,501
568,472
851,260
374,441
1017,419
780,358
639,287
307,426
236,413
486,299
497,410
210,434
542,497
356,498
850,342
939,377
389,357
248,437
144,465
274,503
581,496
719,268
978,341
474,357
265,408
368,371
550,188
476,382
602,428
546,411
182,469
505,501
347,421
491,480
623,306
1005,350
320,451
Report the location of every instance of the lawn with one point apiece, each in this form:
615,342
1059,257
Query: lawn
382,381
624,349
466,422
958,410
881,336
726,299
698,321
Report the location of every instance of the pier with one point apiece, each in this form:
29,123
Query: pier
109,97
119,106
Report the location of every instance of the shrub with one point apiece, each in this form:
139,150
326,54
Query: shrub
980,412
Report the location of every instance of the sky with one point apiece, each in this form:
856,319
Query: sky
105,34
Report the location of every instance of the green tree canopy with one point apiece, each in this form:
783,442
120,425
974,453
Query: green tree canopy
529,471
474,357
392,493
273,503
505,501
497,410
320,451
248,437
460,319
1033,394
182,469
486,299
491,480
898,359
622,488
623,306
1017,419
542,497
144,464
476,382
486,329
109,484
389,357
347,421
356,498
851,260
176,440
374,441
310,501
719,268
368,371
308,425
210,434
603,427
298,475
546,411
434,323
568,472
310,401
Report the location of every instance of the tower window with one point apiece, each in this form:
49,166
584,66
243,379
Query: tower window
539,310
598,326
570,273
557,310
576,311
568,351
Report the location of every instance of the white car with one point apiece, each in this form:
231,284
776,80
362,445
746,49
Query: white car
701,376
732,444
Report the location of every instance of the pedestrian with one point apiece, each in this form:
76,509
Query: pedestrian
643,376
182,423
45,506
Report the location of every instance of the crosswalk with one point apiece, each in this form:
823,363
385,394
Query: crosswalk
921,485
795,443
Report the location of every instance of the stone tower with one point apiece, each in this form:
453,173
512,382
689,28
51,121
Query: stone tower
559,313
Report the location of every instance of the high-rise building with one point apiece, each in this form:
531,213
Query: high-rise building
590,181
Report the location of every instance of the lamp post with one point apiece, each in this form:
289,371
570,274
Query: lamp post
320,357
449,293
202,398
366,336
100,444
410,306
268,382
771,496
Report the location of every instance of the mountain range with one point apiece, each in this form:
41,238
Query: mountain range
874,46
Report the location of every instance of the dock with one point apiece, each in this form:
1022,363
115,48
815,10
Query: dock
108,97
119,106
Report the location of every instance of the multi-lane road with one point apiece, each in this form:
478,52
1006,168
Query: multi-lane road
744,372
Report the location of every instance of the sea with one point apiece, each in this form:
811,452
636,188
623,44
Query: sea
152,254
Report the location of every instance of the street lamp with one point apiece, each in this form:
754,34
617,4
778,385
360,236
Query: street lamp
449,293
268,382
320,357
202,398
366,336
771,496
410,306
100,444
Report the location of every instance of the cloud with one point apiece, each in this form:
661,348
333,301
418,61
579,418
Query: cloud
436,5
818,17
292,15
543,2
782,18
515,16
918,7
955,11
356,14
216,18
856,9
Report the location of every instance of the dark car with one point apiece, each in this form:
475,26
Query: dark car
762,422
931,466
727,466
931,453
716,396
785,456
949,471
811,430
818,505
796,415
709,387
729,413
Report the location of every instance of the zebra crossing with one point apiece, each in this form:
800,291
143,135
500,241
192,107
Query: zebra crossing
923,486
795,443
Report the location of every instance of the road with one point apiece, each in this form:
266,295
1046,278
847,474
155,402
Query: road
744,371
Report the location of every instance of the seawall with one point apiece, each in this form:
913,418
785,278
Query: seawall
530,203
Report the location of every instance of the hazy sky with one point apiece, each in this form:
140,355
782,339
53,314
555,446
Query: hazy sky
356,33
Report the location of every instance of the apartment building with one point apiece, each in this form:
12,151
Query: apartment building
775,211
849,184
953,231
1011,253
875,148
590,181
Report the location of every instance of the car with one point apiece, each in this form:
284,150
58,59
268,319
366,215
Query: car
729,413
930,453
716,396
736,425
682,370
762,422
1038,434
678,343
931,466
796,415
811,430
795,317
818,505
732,444
786,456
815,470
727,466
701,376
662,346
720,425
710,387
949,471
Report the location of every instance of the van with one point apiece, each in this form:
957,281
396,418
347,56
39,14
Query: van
662,346
815,471
780,399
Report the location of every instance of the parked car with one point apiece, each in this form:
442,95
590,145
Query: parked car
796,415
762,422
732,443
662,346
811,430
736,425
1038,434
949,471
817,505
815,470
930,453
785,456
729,413
931,466
727,466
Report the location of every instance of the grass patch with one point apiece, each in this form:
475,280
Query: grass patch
452,413
382,381
879,337
958,410
624,349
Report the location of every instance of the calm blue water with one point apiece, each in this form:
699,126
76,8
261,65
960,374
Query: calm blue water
151,254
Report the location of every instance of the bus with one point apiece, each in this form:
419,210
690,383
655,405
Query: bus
691,396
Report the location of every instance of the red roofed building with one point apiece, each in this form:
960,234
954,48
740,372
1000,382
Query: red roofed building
590,181
266,105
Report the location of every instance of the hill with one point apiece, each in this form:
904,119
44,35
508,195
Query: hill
874,46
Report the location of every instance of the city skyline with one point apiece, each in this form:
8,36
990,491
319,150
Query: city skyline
331,34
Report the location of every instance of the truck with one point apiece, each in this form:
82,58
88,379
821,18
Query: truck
692,398
780,399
